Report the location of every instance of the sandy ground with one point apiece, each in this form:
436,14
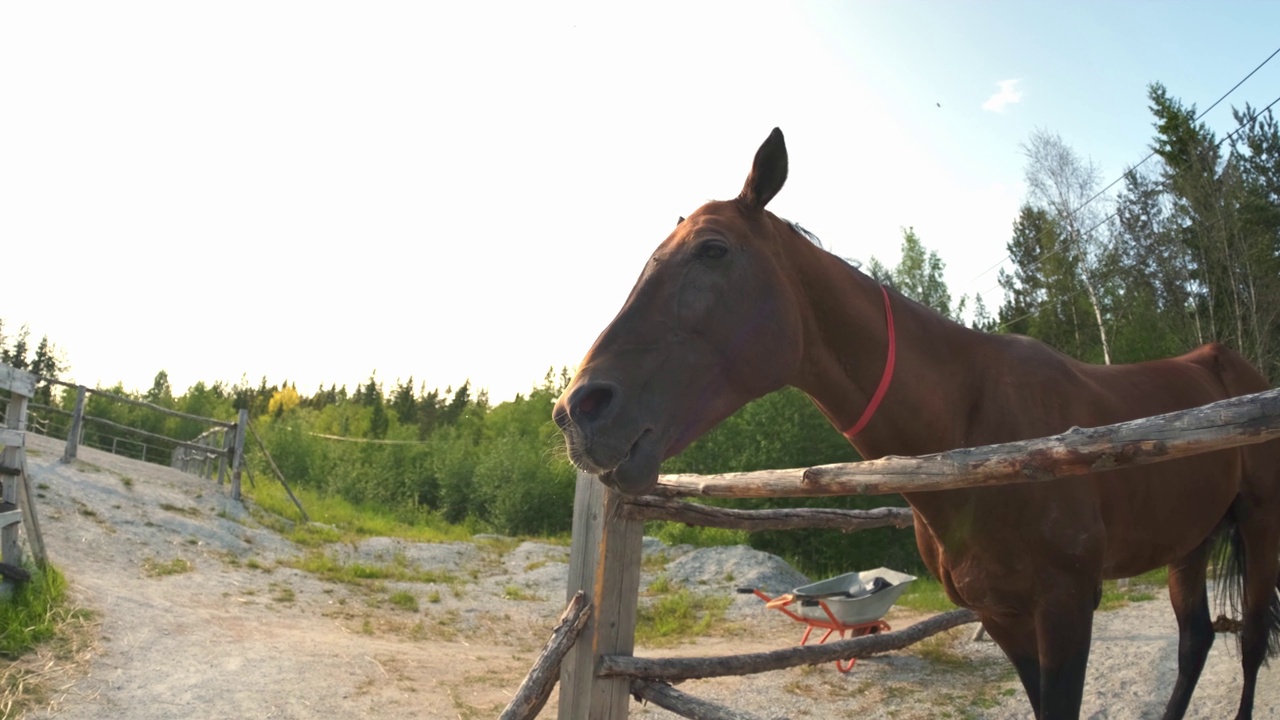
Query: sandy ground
240,635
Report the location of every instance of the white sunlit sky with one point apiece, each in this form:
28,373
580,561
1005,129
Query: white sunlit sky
312,191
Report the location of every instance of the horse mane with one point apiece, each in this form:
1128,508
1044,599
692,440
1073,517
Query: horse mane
817,242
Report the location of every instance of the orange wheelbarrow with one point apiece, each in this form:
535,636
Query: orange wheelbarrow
850,604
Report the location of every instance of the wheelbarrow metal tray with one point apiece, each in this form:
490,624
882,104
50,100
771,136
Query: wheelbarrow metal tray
844,595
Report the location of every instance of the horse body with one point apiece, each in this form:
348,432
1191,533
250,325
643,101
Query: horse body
736,303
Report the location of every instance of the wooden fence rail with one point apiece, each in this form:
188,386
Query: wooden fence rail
598,673
143,404
649,507
689,668
1227,423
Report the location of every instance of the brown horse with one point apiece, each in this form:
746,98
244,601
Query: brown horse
737,303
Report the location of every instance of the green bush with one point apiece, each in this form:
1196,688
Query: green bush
786,430
521,491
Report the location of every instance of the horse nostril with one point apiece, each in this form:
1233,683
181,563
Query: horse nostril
590,402
561,416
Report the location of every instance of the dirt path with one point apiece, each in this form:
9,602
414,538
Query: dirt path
239,634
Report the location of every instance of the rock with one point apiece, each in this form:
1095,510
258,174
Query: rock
734,567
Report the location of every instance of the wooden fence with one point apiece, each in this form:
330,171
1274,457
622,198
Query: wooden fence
593,644
16,504
223,443
219,446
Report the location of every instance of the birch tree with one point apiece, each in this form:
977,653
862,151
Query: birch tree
1063,184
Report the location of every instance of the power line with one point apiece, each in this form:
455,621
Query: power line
1126,173
1253,117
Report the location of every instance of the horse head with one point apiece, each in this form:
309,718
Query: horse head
713,322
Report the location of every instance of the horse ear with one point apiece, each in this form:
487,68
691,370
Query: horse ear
680,220
768,172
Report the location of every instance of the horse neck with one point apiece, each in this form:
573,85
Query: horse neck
846,349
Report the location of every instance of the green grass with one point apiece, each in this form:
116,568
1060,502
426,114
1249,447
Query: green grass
152,567
515,592
679,616
1158,577
660,585
498,545
329,568
674,533
1140,589
346,521
941,651
34,612
925,595
404,600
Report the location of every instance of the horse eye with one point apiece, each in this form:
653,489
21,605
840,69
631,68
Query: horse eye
713,249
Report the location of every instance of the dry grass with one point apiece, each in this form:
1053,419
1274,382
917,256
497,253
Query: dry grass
41,678
943,650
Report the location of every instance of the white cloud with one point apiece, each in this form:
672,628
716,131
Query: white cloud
1008,95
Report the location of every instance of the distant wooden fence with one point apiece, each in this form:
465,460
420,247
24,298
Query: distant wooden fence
223,443
598,673
219,447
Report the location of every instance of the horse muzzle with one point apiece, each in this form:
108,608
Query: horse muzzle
626,459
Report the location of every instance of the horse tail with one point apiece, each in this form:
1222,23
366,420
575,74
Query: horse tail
1229,579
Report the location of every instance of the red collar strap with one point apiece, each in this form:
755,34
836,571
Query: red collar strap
884,379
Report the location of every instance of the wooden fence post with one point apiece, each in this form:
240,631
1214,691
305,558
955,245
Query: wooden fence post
16,419
77,420
227,440
604,562
237,459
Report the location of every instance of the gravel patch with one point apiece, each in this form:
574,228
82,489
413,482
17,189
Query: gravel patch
726,568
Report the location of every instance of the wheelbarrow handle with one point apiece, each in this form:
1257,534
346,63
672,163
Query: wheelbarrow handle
746,591
780,601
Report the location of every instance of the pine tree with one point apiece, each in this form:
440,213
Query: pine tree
17,355
48,363
404,403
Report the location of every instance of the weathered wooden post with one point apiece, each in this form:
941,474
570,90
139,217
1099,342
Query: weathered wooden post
22,385
77,420
604,562
237,458
227,446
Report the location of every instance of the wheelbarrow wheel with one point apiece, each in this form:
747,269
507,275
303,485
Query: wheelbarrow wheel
845,666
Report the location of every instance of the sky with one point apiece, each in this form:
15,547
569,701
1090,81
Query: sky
314,192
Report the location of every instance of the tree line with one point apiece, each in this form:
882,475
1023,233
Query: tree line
1186,251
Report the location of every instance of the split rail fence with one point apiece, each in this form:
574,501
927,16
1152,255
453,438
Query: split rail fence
220,449
591,648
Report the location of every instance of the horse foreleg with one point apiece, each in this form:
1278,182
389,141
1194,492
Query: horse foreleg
1016,636
1190,603
1064,628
